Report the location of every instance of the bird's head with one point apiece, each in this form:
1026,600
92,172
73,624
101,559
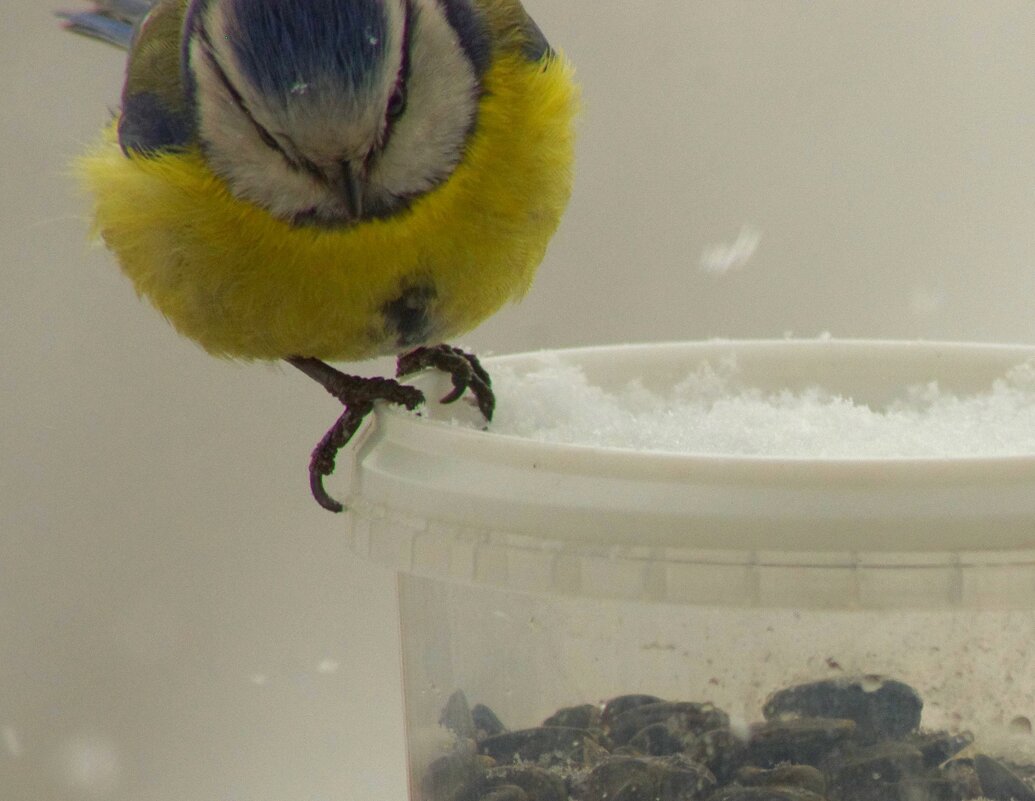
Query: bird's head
334,111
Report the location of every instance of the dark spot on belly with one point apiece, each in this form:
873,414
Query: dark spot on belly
408,317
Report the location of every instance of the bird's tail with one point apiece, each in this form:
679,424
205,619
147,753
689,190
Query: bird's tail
112,21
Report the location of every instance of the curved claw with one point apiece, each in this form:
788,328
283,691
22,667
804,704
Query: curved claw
358,395
321,462
481,388
320,494
464,369
461,374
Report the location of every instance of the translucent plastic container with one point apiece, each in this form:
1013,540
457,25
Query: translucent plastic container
869,621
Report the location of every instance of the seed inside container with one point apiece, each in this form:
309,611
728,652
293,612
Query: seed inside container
845,739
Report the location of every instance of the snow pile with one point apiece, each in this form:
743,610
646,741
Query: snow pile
715,411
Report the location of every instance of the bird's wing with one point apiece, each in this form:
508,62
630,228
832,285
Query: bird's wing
513,29
156,112
157,109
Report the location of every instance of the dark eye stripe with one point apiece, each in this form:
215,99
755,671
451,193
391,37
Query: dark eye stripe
267,138
404,69
472,32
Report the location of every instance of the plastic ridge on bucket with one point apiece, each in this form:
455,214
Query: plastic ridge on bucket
434,498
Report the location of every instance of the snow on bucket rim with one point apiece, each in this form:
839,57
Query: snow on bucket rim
441,476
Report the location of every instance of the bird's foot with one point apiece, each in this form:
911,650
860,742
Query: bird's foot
358,395
463,367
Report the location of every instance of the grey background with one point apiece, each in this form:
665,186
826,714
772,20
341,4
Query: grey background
178,619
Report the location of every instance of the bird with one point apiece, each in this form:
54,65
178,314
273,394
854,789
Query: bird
311,181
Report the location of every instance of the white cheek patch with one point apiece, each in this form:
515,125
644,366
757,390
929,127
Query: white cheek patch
428,140
235,151
325,118
331,124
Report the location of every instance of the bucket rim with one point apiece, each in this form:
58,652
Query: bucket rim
665,465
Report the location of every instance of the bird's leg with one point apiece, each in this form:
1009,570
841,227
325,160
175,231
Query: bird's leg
463,367
358,395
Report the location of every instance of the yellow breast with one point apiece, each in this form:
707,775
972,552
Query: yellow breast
244,284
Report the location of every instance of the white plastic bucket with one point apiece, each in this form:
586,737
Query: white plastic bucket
535,576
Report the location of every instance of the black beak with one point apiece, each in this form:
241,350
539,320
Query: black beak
351,190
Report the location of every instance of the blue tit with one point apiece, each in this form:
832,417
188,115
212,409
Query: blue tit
314,180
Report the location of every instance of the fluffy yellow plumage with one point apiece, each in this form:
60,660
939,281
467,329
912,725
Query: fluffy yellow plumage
247,285
314,180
